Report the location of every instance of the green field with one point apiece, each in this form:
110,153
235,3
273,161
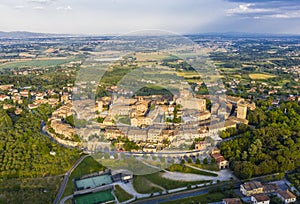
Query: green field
168,184
144,186
87,166
210,167
187,169
121,194
35,63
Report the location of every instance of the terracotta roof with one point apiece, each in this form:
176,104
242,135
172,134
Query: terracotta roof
252,185
216,155
232,201
220,159
270,187
286,194
261,197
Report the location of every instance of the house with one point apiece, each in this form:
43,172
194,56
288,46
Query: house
63,112
201,145
214,128
155,134
238,120
221,161
260,199
53,101
270,188
286,196
25,93
4,97
231,201
113,132
251,188
7,106
40,96
6,87
17,99
234,100
33,106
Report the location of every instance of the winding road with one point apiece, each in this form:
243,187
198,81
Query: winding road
66,179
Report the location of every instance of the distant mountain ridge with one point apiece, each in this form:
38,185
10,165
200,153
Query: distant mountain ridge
28,35
25,34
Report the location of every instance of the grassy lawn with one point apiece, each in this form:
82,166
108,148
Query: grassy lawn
87,166
206,198
142,185
211,167
29,190
186,169
121,194
168,184
131,164
261,76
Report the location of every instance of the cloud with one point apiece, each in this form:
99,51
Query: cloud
42,2
263,1
265,9
38,8
287,15
247,9
20,6
67,8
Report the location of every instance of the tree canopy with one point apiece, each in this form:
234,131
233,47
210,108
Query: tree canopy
273,146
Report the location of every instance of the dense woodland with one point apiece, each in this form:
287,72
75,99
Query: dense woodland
272,146
25,151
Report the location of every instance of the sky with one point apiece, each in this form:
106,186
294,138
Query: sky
125,16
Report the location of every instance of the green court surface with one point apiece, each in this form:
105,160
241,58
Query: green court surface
93,182
94,198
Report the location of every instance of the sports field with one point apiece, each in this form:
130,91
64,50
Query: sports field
93,182
92,198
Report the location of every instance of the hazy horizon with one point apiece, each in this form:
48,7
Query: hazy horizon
113,17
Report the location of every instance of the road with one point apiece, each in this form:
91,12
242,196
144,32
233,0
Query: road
179,195
66,179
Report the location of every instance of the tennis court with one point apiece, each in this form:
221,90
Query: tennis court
93,182
94,198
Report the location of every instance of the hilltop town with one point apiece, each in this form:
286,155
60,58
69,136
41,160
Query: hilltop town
171,126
